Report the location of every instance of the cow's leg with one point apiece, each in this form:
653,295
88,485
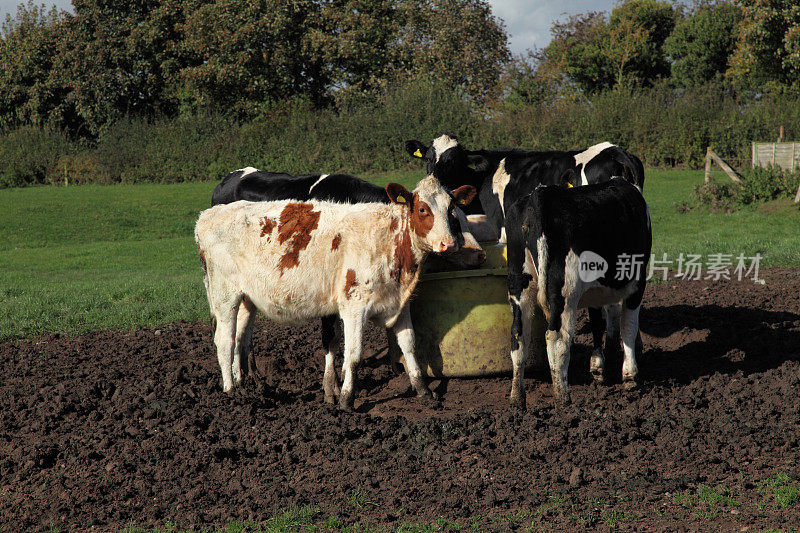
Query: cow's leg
521,327
630,331
331,338
244,361
393,352
613,315
597,359
563,302
353,333
405,339
225,338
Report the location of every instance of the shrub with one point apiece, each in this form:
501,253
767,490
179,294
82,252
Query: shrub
79,169
762,184
30,155
719,197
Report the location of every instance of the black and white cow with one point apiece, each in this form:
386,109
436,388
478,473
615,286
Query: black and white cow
258,186
502,176
570,248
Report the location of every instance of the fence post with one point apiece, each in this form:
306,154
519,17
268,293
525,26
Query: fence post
732,174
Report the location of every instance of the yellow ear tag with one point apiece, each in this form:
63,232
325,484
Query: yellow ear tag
569,185
417,153
401,200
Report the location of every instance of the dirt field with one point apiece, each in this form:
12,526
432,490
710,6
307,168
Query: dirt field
109,429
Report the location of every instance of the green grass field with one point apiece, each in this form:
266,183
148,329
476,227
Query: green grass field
94,257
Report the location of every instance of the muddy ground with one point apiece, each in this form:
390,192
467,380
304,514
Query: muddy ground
108,429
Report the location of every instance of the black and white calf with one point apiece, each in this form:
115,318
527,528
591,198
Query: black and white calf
573,248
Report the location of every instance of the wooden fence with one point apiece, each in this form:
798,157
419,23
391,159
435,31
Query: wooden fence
782,154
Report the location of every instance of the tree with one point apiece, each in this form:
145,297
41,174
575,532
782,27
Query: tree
597,53
458,42
28,45
768,44
702,43
646,24
245,56
577,50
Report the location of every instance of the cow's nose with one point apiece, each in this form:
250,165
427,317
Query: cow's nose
447,246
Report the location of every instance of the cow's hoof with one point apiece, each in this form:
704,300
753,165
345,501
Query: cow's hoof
398,368
346,401
630,384
423,393
597,375
563,399
518,403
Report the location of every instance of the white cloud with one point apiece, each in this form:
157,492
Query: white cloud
528,22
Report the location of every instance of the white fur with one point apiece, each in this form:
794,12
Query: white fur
247,170
317,182
587,155
443,143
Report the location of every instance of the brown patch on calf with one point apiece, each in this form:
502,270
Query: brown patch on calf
203,264
349,282
404,260
336,241
421,217
267,225
296,222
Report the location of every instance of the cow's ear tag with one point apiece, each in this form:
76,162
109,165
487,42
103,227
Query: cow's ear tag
400,199
417,153
569,185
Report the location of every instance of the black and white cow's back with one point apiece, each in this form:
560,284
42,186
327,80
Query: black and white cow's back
258,186
552,235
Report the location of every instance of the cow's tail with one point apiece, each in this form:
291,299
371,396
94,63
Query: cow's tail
632,166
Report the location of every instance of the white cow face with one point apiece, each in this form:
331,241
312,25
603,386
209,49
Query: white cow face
430,207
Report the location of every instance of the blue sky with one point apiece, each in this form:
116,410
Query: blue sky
527,21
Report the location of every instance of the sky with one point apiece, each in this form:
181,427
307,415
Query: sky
527,21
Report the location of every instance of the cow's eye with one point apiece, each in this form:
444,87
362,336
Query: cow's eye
422,210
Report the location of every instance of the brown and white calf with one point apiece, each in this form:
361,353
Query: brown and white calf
297,261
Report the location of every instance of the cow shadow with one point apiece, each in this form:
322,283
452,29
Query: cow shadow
687,342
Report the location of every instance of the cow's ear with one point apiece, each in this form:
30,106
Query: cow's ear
398,194
477,162
569,178
416,148
465,194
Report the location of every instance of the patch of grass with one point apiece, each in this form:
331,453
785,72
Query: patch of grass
93,257
705,501
779,490
360,499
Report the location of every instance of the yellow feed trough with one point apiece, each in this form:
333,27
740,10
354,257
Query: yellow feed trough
462,321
